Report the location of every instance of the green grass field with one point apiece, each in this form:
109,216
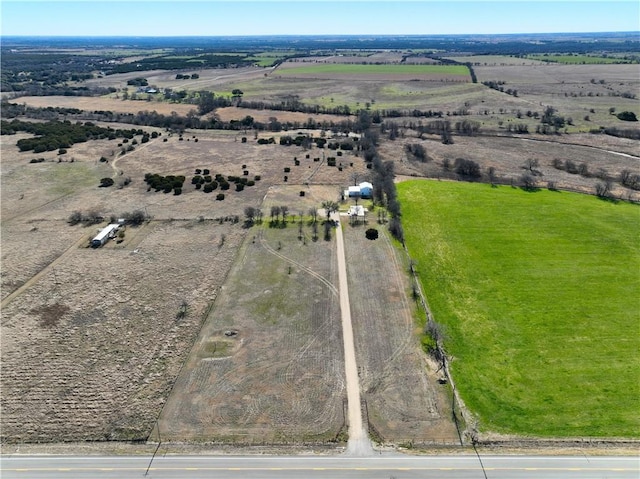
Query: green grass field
539,294
358,69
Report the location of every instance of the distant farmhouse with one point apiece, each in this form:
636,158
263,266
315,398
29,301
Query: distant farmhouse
363,190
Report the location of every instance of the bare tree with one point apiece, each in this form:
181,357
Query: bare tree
313,212
603,189
275,212
284,210
528,181
530,164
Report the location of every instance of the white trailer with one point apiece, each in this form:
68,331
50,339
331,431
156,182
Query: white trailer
105,233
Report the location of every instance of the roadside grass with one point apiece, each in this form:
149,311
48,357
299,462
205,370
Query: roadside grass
538,294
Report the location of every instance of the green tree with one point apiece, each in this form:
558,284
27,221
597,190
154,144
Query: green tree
330,207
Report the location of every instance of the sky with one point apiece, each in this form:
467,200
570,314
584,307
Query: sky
314,17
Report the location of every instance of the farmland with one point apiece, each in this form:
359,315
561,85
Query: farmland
199,326
535,292
374,72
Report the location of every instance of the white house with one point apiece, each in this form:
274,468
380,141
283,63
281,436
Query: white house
357,214
357,211
105,233
363,190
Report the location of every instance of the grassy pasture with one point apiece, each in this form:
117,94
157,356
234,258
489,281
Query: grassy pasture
350,69
538,294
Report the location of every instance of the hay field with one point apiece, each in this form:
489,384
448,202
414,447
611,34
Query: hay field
90,350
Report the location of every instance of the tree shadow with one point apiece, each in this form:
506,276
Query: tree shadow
531,189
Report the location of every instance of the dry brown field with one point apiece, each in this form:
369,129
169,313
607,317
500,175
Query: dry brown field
210,79
404,403
494,60
234,113
268,366
508,155
106,104
91,338
365,57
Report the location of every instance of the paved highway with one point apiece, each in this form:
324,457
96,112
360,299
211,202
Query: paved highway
320,467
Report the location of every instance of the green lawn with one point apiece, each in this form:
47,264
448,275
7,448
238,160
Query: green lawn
540,297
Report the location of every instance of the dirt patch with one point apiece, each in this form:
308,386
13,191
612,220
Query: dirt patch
51,314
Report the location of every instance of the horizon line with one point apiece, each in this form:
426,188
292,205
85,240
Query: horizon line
327,35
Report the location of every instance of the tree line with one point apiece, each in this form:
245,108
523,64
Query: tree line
54,135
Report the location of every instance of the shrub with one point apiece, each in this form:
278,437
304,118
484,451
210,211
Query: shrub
62,151
468,168
136,217
627,116
371,234
220,197
106,182
75,218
